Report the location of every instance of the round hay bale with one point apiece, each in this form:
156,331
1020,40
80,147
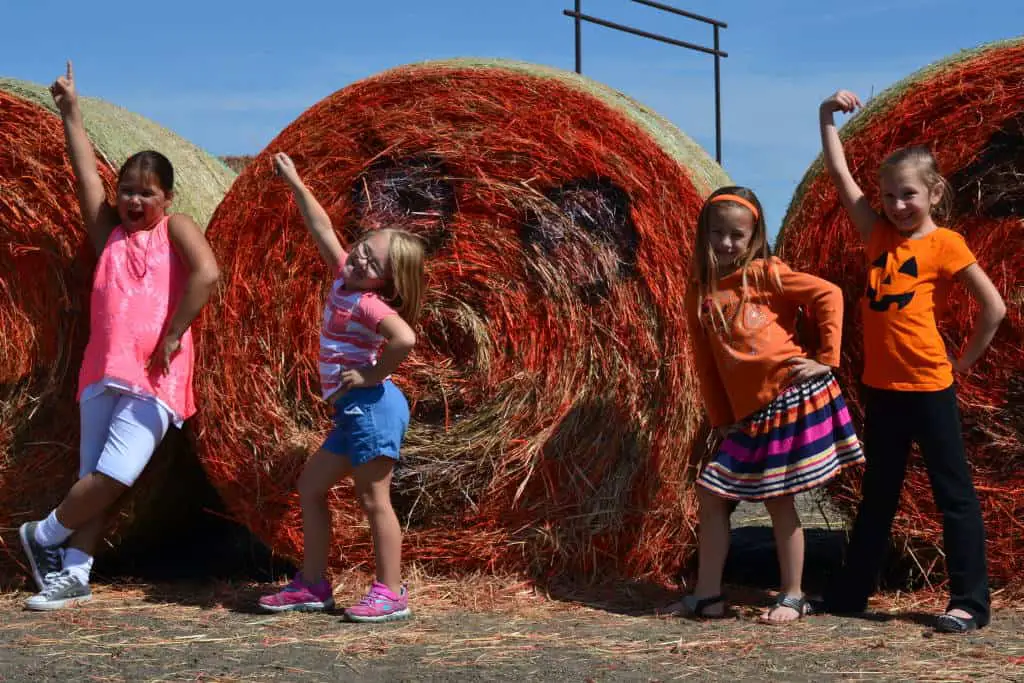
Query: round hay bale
46,270
200,180
552,393
969,110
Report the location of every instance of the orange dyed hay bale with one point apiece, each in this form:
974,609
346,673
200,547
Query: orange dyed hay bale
970,111
552,393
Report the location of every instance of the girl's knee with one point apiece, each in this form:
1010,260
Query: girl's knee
375,500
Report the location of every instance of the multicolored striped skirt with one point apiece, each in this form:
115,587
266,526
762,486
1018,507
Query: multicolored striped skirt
799,441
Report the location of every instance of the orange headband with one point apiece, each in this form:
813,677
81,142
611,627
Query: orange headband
739,200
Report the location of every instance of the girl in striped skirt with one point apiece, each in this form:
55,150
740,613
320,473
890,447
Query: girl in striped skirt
784,425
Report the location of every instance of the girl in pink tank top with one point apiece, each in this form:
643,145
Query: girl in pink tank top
155,273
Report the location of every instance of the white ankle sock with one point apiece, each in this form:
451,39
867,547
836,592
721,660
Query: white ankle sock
78,563
51,532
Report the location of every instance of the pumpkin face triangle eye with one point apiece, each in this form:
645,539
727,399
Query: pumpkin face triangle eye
887,280
881,260
909,267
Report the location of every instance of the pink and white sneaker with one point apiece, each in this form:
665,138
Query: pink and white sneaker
300,596
380,604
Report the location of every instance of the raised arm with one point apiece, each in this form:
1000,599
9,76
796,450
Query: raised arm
850,194
99,217
317,221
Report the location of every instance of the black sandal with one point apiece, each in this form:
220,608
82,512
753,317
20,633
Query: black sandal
693,607
798,605
949,623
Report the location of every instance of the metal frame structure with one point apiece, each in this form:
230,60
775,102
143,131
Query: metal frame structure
718,54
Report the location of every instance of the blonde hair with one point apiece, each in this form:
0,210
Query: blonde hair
705,263
407,277
923,159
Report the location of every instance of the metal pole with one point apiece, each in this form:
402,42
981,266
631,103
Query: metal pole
716,52
718,100
579,40
682,13
643,34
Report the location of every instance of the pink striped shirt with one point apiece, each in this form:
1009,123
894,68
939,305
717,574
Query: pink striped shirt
349,337
138,283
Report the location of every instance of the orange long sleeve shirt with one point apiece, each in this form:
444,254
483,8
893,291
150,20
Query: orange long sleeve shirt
743,369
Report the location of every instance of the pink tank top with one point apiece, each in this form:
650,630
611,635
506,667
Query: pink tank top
138,283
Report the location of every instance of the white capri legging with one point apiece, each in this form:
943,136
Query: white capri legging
120,432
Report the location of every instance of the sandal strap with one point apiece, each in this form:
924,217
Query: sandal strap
797,604
696,605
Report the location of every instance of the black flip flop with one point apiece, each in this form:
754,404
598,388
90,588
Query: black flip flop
694,607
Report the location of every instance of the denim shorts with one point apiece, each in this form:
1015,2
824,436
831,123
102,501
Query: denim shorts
369,423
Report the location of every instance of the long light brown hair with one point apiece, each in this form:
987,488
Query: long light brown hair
406,277
705,263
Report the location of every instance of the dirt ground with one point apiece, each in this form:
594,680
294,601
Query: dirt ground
486,629
490,628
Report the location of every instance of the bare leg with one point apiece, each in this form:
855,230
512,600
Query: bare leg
373,486
713,547
88,536
88,500
789,543
322,471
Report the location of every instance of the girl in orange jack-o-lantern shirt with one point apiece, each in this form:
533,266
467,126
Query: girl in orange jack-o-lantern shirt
908,375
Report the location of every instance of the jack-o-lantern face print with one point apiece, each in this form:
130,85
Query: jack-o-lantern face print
891,283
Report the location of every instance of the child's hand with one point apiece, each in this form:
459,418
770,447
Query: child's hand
160,361
358,378
63,90
843,100
285,168
959,366
803,369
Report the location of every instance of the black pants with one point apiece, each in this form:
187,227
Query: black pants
893,420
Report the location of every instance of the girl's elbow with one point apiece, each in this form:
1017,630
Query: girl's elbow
835,292
998,311
210,276
407,341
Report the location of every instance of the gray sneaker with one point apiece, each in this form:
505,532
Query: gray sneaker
63,589
41,559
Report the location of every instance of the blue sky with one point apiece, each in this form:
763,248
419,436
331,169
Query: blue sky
229,75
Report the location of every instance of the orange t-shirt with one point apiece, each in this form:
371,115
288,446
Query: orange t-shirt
908,284
743,369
